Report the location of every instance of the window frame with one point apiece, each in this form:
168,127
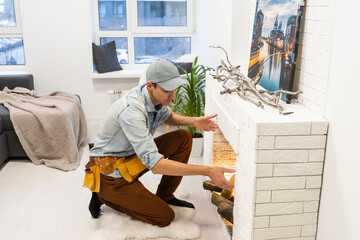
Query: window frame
14,32
132,30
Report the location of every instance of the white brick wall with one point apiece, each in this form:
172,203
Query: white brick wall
285,128
279,164
282,156
262,222
268,209
293,219
297,169
316,155
300,142
312,70
281,232
311,206
263,197
279,183
313,181
308,230
295,195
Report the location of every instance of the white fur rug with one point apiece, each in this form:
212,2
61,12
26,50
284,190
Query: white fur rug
113,225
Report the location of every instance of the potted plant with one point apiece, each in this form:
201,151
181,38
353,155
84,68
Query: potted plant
190,99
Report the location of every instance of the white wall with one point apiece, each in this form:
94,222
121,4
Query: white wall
213,28
241,32
340,199
57,38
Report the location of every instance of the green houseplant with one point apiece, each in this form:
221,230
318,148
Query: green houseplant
190,99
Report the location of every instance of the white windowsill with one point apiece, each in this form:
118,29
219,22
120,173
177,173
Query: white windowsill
125,73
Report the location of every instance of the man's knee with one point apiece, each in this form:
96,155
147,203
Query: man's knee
185,135
166,218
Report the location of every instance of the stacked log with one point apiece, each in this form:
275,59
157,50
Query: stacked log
223,199
217,199
210,185
226,211
229,227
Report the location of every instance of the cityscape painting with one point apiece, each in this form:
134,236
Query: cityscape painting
275,41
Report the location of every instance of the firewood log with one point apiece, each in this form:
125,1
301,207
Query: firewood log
226,211
216,199
229,193
210,185
229,227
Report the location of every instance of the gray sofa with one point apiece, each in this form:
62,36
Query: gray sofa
10,147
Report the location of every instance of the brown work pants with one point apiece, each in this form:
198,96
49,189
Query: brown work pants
134,199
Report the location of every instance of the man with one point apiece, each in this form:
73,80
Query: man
124,149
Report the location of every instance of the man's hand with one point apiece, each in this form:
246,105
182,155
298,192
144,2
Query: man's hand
206,124
217,175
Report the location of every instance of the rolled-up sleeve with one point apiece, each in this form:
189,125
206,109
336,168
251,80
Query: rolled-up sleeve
133,123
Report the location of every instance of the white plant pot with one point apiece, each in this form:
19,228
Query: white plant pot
197,147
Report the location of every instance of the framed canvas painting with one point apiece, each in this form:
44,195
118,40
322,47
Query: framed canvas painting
275,42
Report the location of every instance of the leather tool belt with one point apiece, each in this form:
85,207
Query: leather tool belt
129,168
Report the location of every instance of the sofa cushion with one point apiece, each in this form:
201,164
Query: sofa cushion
3,148
9,143
105,57
17,80
1,126
185,65
3,144
15,148
5,116
12,81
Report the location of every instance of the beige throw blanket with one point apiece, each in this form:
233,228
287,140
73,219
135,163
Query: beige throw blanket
51,128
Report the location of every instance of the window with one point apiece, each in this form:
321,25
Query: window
11,51
112,15
149,49
145,30
161,13
11,41
7,14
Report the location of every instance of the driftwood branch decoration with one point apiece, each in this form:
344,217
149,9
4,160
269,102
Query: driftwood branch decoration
246,87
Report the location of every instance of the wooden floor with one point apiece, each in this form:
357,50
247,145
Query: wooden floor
37,202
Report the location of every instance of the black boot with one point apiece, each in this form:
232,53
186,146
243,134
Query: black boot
94,206
180,203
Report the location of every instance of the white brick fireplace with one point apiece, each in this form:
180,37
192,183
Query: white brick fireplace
279,165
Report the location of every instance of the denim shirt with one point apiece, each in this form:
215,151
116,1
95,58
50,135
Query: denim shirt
128,128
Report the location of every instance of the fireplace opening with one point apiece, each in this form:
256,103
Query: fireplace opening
223,155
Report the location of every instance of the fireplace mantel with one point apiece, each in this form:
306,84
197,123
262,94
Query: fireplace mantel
279,164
